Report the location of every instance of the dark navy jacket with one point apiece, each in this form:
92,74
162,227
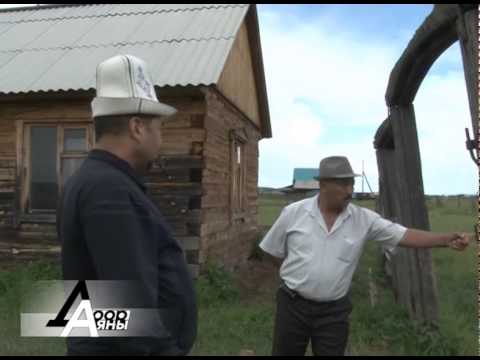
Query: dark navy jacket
111,230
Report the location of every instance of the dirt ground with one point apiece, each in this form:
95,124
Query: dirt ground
258,280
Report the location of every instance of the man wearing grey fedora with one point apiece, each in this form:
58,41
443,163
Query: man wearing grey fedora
111,230
318,242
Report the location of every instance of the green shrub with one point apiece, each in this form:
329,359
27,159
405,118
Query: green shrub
216,285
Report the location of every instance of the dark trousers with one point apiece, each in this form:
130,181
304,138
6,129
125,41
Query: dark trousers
300,320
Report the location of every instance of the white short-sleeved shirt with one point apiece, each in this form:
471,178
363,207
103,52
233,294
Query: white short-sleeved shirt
318,264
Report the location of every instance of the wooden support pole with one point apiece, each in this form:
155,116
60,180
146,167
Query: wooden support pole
413,211
467,29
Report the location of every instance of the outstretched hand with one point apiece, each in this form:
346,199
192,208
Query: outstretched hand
459,241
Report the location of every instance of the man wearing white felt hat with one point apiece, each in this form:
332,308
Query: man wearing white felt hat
111,230
126,98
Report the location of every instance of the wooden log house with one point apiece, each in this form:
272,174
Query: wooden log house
205,60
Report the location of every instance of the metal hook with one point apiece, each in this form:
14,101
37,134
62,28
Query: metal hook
472,145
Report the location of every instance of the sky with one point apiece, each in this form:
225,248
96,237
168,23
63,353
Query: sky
327,70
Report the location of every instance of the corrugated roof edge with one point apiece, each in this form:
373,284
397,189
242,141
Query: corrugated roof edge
37,7
47,7
60,91
79,93
43,92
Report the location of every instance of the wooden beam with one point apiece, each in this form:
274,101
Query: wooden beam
412,210
467,29
436,34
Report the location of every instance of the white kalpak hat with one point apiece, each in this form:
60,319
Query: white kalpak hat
124,87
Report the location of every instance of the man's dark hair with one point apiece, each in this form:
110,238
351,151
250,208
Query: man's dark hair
114,125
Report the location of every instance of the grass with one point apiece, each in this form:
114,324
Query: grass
13,284
232,320
227,323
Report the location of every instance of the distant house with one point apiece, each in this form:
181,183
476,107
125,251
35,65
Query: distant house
303,183
304,179
204,59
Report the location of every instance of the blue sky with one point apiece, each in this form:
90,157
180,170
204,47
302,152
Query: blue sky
327,69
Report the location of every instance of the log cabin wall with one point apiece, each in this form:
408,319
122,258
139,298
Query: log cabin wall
190,182
233,127
15,118
7,172
228,231
23,236
174,183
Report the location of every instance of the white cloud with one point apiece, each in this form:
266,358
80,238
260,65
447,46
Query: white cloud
344,82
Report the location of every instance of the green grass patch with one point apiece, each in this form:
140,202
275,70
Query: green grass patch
14,283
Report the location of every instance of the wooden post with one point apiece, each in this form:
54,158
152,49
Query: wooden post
467,29
389,207
413,211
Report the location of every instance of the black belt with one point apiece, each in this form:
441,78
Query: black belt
295,295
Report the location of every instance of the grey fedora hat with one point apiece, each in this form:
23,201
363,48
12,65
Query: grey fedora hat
335,167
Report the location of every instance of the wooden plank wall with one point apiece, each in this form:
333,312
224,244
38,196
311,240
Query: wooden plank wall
7,172
14,115
174,183
227,238
237,81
